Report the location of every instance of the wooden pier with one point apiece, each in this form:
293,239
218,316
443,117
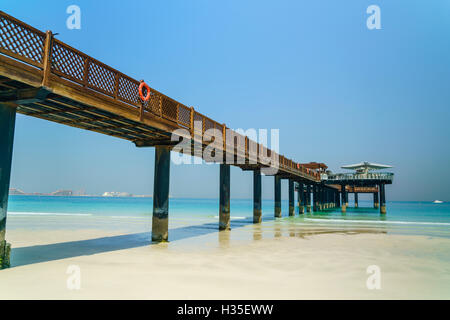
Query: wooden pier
43,77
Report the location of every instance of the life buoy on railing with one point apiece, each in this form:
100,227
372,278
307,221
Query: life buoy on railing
141,95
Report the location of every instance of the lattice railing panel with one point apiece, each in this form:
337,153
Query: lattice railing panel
68,62
154,104
128,90
209,124
169,109
101,78
198,118
184,115
20,40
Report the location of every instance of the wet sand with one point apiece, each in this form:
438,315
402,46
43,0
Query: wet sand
268,261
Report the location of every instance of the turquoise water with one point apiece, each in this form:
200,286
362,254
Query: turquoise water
423,218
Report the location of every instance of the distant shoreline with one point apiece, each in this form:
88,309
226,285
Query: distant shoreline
184,198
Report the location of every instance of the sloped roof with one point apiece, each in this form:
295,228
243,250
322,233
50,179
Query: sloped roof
365,164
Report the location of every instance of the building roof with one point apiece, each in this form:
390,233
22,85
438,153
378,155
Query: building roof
366,166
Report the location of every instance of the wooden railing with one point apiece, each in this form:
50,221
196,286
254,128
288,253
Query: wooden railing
41,50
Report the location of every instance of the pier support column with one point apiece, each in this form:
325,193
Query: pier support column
291,198
375,200
308,198
338,200
344,199
319,197
7,124
160,220
277,197
224,197
382,199
257,199
356,199
301,198
315,197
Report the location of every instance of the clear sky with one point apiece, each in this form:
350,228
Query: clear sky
339,92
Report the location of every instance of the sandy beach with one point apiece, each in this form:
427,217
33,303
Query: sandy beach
252,262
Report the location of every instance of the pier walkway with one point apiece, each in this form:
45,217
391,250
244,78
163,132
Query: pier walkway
40,76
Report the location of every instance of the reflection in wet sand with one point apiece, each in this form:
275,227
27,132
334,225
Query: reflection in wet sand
224,238
257,231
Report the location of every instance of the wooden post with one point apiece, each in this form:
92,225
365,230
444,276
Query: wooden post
277,197
356,199
257,199
7,124
224,197
291,198
160,220
47,58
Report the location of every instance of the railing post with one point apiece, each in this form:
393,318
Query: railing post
47,65
116,85
191,122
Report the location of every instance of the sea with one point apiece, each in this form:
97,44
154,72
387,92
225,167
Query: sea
196,217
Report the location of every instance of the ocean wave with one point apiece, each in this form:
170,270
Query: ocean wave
378,221
47,214
232,217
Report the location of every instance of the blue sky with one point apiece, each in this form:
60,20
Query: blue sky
338,92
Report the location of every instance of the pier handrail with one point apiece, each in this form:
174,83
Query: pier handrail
361,176
41,50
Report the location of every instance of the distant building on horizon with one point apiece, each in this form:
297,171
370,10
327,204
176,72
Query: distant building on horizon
14,191
116,194
66,193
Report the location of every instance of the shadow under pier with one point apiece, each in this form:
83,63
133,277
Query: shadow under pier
63,250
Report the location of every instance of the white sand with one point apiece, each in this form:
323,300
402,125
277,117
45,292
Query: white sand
290,266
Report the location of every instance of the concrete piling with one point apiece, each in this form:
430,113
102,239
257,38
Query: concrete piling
301,198
291,198
224,197
160,219
382,199
277,197
7,125
257,199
